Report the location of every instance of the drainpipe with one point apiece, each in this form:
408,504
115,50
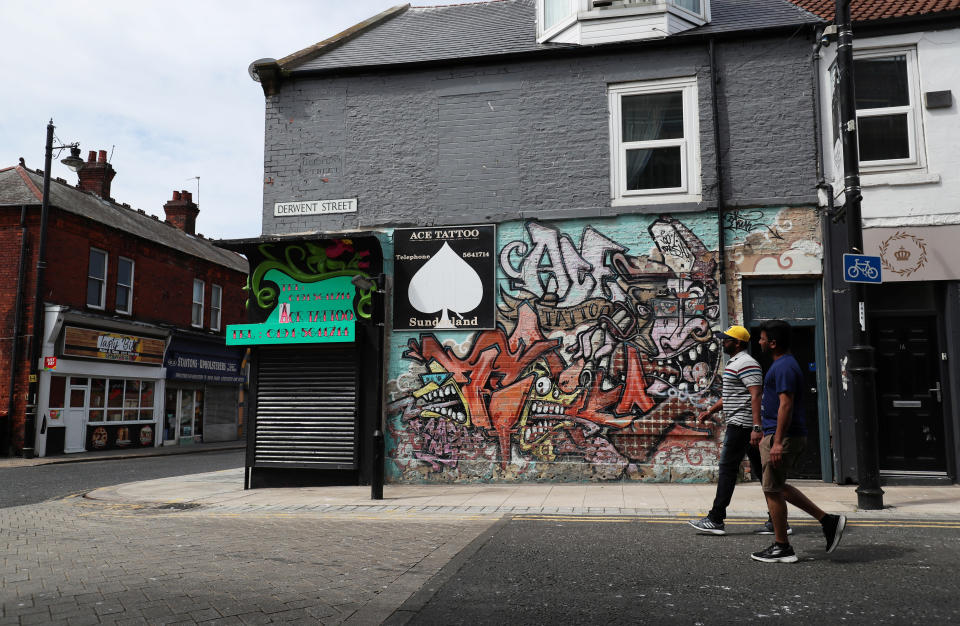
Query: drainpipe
718,160
7,435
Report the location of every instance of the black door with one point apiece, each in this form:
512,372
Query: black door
910,419
803,347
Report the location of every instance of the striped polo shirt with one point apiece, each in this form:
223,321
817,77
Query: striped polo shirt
742,371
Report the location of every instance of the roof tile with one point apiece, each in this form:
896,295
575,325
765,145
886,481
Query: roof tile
867,10
20,186
499,27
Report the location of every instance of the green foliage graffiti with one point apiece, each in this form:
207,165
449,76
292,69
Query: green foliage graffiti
308,263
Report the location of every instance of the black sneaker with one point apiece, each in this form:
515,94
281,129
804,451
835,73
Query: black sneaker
833,526
707,525
776,554
767,529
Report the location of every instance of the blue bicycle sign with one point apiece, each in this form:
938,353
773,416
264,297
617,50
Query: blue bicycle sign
861,268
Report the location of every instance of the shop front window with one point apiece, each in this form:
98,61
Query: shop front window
131,400
183,415
58,388
186,413
170,414
98,397
198,414
146,400
120,400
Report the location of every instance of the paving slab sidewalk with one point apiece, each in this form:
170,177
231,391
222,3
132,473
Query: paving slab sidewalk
223,491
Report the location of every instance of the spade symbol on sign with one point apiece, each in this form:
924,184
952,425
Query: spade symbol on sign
445,283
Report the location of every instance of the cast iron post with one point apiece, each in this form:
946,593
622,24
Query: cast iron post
860,363
379,321
36,342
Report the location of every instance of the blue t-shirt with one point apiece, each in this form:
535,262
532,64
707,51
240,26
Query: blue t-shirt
784,375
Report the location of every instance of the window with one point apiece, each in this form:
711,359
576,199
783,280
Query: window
690,5
215,296
655,151
889,128
119,400
58,391
124,285
97,279
555,13
197,318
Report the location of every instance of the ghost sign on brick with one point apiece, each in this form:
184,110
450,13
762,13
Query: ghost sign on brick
445,278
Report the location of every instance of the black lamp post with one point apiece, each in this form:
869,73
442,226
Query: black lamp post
74,162
860,363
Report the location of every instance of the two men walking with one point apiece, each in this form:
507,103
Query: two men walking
777,427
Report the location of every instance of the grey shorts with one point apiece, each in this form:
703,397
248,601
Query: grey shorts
775,477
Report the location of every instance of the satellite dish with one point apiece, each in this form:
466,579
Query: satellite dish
252,68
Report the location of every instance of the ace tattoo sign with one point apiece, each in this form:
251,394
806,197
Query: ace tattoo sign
445,277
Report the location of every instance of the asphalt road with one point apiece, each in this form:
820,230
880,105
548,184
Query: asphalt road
566,570
28,485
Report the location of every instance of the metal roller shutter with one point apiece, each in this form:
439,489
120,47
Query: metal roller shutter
306,408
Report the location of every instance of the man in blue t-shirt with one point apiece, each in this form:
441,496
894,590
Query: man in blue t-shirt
784,437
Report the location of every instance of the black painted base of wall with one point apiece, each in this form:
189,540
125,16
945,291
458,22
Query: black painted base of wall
264,477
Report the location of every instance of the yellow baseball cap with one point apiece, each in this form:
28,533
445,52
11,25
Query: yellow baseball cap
738,333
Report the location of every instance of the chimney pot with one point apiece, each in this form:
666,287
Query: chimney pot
96,175
182,212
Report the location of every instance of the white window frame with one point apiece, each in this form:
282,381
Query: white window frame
103,280
129,287
914,112
194,302
690,185
544,34
216,305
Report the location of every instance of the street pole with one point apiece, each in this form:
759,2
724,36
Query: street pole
36,342
379,326
860,362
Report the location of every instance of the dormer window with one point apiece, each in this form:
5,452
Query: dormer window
591,22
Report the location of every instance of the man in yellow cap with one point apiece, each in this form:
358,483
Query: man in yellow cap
740,402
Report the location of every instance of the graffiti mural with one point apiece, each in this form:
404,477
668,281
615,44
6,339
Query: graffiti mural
603,356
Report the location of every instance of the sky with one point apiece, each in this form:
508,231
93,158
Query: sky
162,86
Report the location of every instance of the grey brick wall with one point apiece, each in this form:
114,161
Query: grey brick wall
496,142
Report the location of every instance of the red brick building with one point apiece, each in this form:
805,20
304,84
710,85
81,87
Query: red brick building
131,348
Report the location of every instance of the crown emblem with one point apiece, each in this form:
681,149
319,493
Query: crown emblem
902,254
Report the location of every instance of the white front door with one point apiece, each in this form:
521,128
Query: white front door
75,419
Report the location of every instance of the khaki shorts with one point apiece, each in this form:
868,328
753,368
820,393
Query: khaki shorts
775,477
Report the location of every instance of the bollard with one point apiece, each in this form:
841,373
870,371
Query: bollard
376,476
863,385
